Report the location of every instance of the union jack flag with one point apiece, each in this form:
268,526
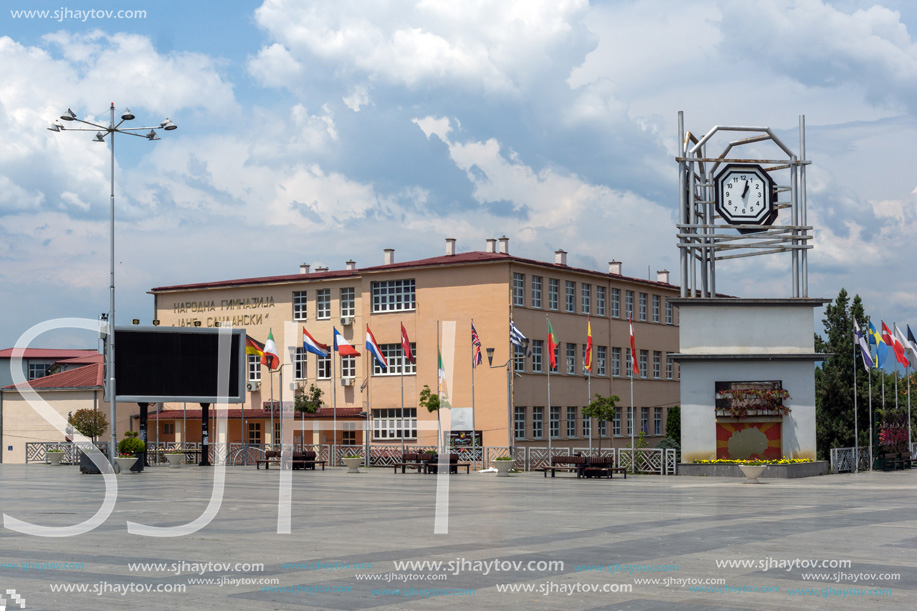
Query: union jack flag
476,358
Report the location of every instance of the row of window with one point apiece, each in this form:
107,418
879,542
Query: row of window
387,296
650,306
540,363
575,422
393,353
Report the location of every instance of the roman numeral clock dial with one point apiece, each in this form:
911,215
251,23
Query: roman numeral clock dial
745,195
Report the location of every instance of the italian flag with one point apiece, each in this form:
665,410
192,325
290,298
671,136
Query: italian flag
441,371
269,357
552,344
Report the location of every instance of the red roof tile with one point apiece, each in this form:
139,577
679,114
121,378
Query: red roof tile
85,360
237,413
47,353
89,377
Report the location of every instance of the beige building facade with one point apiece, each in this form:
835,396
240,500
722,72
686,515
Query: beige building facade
435,300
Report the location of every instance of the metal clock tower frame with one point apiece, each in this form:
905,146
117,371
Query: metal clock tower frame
704,238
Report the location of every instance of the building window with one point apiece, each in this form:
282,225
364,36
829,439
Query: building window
643,307
519,421
645,420
276,438
570,295
655,308
657,364
603,428
299,305
629,305
349,434
38,370
394,356
668,312
323,304
387,423
616,303
555,422
299,365
518,359
600,301
538,423
616,422
537,355
657,421
348,366
644,363
586,298
518,289
669,366
348,302
571,359
601,360
393,296
254,368
587,426
168,428
629,363
615,361
553,289
323,367
536,291
571,422
254,433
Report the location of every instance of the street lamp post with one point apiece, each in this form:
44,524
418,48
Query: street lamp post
509,392
101,132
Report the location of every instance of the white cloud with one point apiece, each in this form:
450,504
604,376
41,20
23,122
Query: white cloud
358,97
274,66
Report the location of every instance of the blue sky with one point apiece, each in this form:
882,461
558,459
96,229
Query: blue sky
317,132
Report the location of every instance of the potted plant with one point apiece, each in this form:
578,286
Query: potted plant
175,456
503,465
752,471
55,455
129,450
353,463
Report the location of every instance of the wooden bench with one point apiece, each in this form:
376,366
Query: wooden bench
601,466
432,466
412,460
566,463
893,462
300,460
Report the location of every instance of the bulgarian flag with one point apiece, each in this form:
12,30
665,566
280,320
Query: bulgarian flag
587,364
270,357
552,344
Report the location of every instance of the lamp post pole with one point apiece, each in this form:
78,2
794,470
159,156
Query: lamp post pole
509,392
101,132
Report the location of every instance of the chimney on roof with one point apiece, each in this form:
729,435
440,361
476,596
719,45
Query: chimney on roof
662,276
491,245
351,264
614,267
504,245
304,268
321,269
389,256
450,247
560,257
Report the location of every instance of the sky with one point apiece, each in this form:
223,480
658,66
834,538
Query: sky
318,132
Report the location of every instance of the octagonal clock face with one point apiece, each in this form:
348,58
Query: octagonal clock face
745,196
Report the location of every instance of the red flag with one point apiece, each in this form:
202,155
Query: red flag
892,341
633,350
587,364
406,344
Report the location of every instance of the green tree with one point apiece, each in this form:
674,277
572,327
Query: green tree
602,409
89,422
834,386
308,401
673,423
431,401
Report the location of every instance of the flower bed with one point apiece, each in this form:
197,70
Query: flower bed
784,468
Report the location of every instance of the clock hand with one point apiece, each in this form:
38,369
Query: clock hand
745,192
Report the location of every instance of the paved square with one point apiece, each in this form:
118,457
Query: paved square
518,542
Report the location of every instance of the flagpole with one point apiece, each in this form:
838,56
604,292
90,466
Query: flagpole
334,398
474,363
856,438
870,420
271,376
404,360
550,409
440,442
366,420
588,398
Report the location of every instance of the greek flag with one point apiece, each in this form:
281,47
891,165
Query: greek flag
515,336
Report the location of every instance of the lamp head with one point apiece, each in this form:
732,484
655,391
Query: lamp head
68,116
100,137
152,135
128,115
168,125
490,356
56,126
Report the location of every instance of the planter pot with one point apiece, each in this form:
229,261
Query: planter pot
752,473
54,458
503,467
125,464
175,460
353,464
